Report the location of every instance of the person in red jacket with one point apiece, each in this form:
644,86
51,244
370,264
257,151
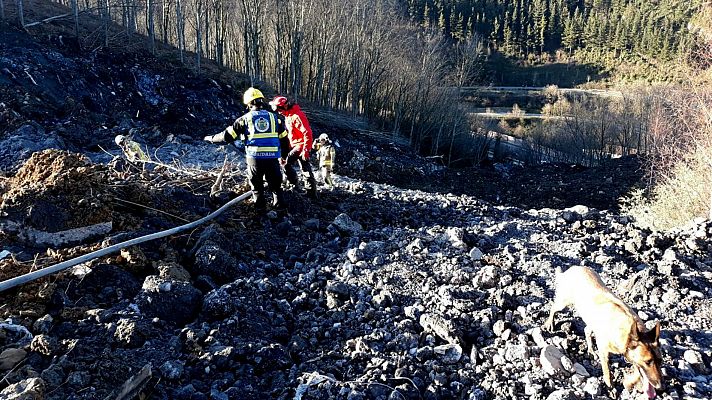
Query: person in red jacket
300,141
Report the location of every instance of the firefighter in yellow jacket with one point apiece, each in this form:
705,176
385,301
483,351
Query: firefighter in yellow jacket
326,154
131,149
262,131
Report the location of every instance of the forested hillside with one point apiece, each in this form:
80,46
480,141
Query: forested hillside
606,32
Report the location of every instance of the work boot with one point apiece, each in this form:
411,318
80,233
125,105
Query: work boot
279,203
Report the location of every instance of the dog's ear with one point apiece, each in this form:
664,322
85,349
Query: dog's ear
633,336
652,335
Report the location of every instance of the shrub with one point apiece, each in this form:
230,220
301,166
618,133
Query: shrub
680,164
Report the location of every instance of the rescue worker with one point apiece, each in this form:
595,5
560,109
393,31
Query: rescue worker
131,149
261,130
326,154
300,142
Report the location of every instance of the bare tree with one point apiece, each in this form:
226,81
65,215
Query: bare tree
20,12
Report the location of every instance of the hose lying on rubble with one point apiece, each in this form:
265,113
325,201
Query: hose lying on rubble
29,277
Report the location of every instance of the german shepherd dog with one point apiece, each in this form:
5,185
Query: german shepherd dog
618,330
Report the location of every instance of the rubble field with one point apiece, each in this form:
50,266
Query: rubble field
408,281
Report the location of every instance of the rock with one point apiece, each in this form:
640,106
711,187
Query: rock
456,236
44,324
133,259
550,359
179,305
78,379
516,352
538,338
487,277
173,271
11,357
131,333
172,370
17,146
282,229
475,254
312,224
445,329
218,303
340,289
499,327
564,394
272,357
694,358
581,370
43,344
355,255
424,353
448,353
570,216
218,264
384,298
567,364
27,389
345,225
592,386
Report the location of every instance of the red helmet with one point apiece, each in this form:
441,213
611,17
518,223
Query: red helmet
279,102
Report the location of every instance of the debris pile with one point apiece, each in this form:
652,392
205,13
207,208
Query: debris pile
406,295
380,289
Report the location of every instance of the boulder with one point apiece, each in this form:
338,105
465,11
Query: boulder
169,300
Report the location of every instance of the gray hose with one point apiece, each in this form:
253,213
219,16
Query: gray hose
22,279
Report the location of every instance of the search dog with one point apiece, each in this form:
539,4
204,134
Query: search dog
617,329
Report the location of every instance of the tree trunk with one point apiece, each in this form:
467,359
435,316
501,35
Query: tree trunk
151,27
2,10
20,13
179,30
75,11
198,38
105,22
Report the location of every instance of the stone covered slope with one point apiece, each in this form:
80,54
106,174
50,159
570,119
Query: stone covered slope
372,292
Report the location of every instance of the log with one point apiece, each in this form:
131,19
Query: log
133,386
70,237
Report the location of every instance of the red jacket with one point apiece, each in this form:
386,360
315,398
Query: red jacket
300,133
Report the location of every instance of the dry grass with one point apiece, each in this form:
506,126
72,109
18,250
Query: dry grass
681,166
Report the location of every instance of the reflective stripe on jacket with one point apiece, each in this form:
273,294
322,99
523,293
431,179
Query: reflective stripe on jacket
262,131
326,155
134,152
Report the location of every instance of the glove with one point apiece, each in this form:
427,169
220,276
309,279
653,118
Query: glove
208,139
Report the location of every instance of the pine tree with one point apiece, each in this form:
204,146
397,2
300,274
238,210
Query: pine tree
426,16
569,37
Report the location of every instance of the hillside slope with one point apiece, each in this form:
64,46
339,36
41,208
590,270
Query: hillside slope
378,290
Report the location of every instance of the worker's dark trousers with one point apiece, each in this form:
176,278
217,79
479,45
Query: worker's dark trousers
291,170
259,170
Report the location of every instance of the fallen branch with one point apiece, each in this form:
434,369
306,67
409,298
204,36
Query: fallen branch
151,208
31,78
133,386
57,239
48,20
217,186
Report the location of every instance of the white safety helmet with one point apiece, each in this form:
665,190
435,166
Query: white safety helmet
323,137
119,139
